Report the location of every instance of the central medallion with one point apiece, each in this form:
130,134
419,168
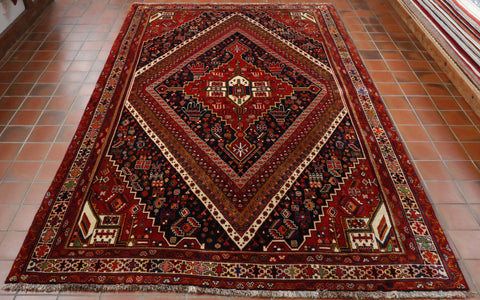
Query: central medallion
239,90
239,93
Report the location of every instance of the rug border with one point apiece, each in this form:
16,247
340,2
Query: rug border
81,132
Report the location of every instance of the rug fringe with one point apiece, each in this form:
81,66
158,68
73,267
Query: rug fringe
48,288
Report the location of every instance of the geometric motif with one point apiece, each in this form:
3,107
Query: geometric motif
241,148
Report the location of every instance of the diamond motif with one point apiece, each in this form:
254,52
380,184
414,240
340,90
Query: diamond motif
258,106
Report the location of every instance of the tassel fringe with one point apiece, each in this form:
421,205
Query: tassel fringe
48,288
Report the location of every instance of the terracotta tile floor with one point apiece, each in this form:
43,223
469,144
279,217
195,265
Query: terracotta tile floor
47,78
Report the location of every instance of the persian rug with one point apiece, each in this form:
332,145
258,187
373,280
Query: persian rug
237,150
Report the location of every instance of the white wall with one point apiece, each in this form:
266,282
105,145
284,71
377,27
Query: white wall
9,12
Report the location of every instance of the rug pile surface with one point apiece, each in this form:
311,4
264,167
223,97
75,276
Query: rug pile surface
237,150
